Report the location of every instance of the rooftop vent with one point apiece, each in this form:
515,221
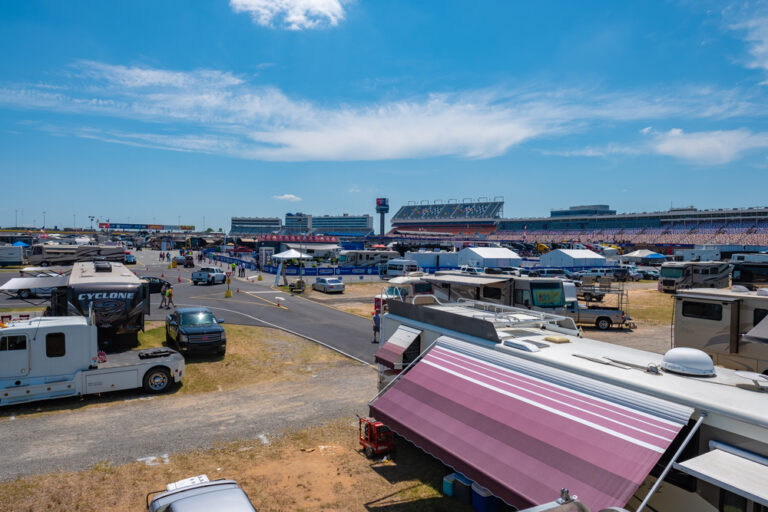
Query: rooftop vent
739,288
102,266
688,361
763,292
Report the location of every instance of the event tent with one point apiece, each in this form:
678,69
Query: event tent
20,244
642,255
489,257
291,254
566,258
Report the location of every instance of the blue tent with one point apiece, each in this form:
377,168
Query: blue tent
20,244
654,256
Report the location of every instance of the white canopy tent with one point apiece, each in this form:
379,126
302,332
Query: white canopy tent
640,256
291,254
566,258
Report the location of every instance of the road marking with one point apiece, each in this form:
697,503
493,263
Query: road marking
266,300
268,291
315,340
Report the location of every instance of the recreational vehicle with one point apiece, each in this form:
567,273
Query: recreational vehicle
721,323
676,275
525,292
398,268
365,258
61,254
11,255
751,275
118,298
759,257
519,403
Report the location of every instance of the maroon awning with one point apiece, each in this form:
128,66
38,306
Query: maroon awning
391,353
525,430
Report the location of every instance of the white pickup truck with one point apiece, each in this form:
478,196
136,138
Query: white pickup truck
209,275
54,357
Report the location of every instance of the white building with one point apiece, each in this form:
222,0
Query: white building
489,257
567,258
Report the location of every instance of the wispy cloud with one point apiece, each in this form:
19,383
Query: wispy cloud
288,197
218,112
751,20
709,148
292,14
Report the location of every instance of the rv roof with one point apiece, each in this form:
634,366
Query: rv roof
43,321
84,272
720,293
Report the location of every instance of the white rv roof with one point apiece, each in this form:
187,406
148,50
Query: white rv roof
84,272
719,394
43,321
720,293
580,253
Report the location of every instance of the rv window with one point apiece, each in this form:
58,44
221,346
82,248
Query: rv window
671,272
54,344
758,316
703,310
548,295
490,292
730,502
523,297
422,288
13,343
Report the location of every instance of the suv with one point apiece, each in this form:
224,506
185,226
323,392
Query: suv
198,493
551,272
193,330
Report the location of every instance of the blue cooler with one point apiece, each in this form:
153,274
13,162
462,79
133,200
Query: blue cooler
483,500
462,489
448,484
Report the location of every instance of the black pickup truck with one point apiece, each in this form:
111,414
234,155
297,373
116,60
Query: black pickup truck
195,330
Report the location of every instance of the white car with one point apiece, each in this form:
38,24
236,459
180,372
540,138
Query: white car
328,285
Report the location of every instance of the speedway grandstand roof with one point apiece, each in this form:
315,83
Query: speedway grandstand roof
481,210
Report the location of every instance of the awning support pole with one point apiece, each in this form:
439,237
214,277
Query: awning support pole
672,462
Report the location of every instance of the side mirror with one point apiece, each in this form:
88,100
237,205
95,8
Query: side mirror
171,322
221,320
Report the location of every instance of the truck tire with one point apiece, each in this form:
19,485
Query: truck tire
24,294
587,297
210,281
369,452
194,283
603,323
157,380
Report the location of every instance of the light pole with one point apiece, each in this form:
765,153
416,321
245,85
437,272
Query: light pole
16,219
43,219
74,220
91,217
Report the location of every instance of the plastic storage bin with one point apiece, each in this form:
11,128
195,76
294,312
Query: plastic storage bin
448,484
462,489
483,500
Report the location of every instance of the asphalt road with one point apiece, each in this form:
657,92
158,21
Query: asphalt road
255,304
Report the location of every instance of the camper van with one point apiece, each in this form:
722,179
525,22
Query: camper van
552,410
11,255
676,275
398,268
719,322
46,255
365,258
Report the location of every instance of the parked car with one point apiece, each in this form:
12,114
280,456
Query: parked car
195,330
129,259
559,273
210,275
155,283
466,269
650,274
179,259
189,261
198,493
328,285
595,272
36,292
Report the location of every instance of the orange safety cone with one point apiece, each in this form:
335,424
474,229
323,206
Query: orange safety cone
179,278
162,275
238,290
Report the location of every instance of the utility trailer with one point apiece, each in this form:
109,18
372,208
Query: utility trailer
55,357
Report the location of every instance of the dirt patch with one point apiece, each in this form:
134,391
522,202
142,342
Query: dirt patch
311,470
653,338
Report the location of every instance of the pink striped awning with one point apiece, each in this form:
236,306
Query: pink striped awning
391,353
525,430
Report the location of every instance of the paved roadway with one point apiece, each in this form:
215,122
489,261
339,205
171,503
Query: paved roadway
255,304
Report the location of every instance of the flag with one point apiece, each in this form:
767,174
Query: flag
43,233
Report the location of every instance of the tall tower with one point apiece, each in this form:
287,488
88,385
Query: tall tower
382,208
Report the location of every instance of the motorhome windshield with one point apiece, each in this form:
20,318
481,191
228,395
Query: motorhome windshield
422,288
548,295
673,272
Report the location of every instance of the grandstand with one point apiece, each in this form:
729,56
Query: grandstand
590,223
459,218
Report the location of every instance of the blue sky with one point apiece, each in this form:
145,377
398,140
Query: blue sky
149,111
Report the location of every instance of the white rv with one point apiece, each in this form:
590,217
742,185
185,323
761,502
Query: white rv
55,357
676,275
11,255
759,257
63,254
519,403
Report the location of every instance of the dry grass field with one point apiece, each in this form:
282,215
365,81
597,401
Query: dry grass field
314,469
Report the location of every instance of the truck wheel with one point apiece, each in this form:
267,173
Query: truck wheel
157,380
210,282
603,323
24,294
369,452
194,283
587,297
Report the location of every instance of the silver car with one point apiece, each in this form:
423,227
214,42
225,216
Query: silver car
328,285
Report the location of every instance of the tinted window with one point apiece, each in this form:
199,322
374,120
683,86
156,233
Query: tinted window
200,318
703,310
491,293
730,502
758,316
54,344
13,343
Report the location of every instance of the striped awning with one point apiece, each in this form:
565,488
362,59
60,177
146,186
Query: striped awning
391,353
524,430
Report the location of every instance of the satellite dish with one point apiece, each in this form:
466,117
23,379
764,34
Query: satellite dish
688,361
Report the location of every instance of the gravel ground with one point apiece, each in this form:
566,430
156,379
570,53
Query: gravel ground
164,425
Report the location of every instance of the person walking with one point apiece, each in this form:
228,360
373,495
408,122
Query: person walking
169,295
376,326
233,269
163,298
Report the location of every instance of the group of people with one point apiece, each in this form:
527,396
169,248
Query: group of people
240,270
166,294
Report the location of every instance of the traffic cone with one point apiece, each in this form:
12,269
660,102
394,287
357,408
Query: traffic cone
179,277
162,275
238,290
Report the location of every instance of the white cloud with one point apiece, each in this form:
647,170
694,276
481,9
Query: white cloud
288,197
709,148
646,130
354,189
217,112
292,14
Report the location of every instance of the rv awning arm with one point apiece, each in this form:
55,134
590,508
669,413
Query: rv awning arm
672,461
